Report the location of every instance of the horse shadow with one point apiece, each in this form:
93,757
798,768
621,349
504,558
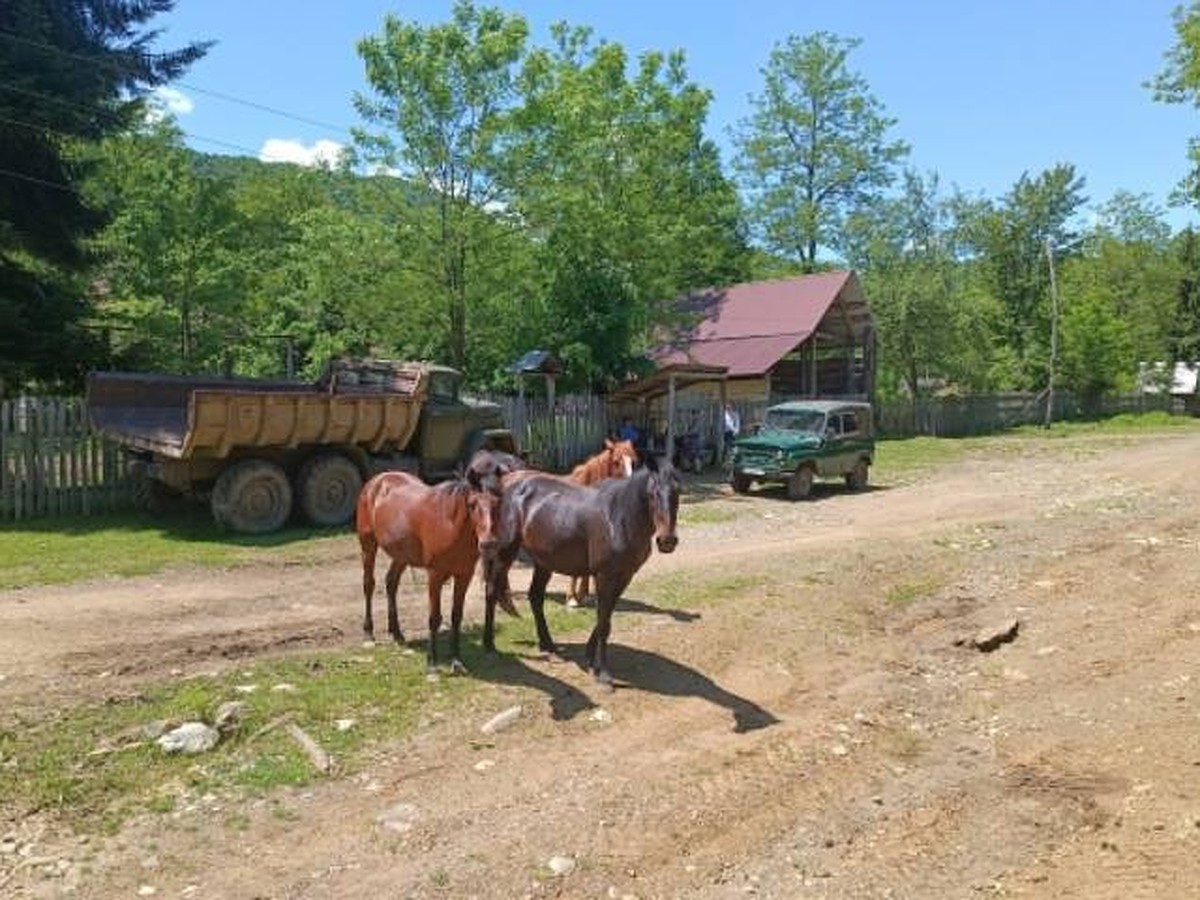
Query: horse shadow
634,670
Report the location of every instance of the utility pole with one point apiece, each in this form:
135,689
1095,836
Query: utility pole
1053,334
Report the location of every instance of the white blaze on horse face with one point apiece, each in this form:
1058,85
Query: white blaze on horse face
627,465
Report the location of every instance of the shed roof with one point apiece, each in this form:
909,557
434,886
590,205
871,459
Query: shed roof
749,327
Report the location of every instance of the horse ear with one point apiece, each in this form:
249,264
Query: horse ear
608,444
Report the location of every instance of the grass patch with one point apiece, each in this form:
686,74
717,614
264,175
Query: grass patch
902,458
58,551
51,765
1125,423
908,592
705,515
690,589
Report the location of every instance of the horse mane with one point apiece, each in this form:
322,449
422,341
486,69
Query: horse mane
588,471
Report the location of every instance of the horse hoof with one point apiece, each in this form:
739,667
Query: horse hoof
605,683
457,667
572,603
368,643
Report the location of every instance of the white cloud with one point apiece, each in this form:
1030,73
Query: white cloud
322,153
166,101
169,100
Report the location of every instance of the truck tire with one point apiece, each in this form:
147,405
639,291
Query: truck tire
740,483
327,488
252,497
799,486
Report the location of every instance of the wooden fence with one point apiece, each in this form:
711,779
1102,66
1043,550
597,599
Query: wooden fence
52,465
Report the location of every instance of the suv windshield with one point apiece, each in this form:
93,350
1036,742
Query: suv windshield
795,420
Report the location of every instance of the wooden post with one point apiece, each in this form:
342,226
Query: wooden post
671,416
1053,335
553,421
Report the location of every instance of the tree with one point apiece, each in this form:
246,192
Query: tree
439,93
930,332
609,170
1007,241
173,264
70,71
1179,82
815,148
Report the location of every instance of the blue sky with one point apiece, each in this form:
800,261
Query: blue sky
982,91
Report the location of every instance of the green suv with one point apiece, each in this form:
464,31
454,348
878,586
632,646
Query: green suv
803,440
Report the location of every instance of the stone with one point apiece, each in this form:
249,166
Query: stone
399,818
484,764
988,639
343,724
229,714
561,866
190,737
502,720
601,715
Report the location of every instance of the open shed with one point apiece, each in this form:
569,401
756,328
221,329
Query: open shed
667,381
807,336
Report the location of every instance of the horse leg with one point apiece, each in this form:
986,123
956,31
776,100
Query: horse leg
368,547
607,594
436,580
456,615
537,600
392,583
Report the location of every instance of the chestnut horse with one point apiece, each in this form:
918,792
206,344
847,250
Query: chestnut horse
616,460
440,529
606,531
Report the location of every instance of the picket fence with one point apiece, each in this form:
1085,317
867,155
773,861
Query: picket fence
52,465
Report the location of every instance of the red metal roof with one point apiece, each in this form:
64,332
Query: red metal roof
749,327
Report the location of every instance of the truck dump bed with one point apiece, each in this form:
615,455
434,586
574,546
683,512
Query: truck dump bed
183,417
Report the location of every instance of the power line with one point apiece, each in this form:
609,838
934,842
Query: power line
113,117
339,130
57,185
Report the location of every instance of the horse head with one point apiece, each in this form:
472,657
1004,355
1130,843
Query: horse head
663,492
620,458
483,508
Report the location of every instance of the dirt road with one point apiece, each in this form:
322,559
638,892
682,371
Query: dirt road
812,725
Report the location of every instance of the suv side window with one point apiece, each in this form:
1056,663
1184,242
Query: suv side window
849,423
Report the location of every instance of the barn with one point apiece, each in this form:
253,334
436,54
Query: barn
755,343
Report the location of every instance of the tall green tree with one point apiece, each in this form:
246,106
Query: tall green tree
931,331
436,100
173,271
610,172
815,148
70,71
1179,82
1008,240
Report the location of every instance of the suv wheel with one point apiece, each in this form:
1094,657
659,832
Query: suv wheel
740,483
799,486
856,478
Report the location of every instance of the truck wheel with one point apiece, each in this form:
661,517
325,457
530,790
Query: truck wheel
252,496
856,478
799,486
740,482
328,485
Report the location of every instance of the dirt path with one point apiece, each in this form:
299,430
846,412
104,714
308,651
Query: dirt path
810,729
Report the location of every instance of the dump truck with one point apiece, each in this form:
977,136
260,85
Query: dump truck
261,452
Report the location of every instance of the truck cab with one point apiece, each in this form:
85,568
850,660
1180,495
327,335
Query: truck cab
452,428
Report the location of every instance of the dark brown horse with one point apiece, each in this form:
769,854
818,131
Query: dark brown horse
617,460
605,531
440,529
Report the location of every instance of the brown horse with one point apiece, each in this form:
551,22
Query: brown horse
617,460
606,531
440,529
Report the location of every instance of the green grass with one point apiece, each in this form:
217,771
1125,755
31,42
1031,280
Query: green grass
899,459
57,551
906,593
696,514
1125,423
50,764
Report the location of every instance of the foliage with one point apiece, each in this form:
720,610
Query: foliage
438,93
70,71
621,192
815,148
1009,240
